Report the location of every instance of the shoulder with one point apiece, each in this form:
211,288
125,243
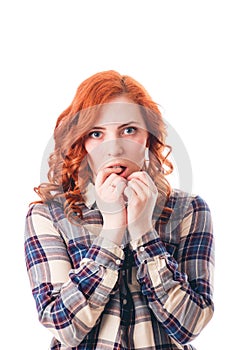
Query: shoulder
190,205
191,201
41,219
191,210
50,210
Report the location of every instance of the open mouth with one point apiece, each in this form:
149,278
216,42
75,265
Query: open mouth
120,169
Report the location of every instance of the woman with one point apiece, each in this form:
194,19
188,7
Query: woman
116,258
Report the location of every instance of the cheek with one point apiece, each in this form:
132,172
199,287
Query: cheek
89,146
89,149
94,154
92,148
135,155
138,144
93,163
143,139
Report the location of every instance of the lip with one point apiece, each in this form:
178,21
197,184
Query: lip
120,165
124,173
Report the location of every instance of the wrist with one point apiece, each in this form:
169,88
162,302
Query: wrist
136,231
114,220
114,235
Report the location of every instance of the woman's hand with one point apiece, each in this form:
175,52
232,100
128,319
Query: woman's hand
142,194
109,189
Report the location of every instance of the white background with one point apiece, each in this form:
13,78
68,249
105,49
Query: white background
181,51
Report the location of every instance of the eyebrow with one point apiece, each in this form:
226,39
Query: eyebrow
119,127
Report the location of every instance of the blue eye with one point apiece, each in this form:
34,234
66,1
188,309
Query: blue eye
95,134
129,131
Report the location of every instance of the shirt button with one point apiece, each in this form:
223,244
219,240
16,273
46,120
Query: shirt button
118,261
124,301
141,249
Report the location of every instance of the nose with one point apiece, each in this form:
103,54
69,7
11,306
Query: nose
115,148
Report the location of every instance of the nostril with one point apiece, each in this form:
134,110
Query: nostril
115,150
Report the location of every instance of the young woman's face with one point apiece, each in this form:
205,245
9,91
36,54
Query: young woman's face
117,139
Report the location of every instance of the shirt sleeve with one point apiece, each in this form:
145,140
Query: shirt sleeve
69,301
180,291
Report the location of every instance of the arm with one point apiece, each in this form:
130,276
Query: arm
179,292
69,301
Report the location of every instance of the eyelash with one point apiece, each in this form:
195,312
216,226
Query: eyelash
91,134
131,128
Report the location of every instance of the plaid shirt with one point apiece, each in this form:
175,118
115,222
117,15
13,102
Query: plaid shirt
153,293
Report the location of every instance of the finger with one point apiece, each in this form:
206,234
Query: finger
142,176
104,174
129,194
120,187
145,179
114,180
139,188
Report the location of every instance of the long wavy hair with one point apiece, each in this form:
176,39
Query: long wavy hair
69,172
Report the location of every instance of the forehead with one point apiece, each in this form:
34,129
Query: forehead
120,111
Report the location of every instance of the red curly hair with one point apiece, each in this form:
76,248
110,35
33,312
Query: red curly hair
68,172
